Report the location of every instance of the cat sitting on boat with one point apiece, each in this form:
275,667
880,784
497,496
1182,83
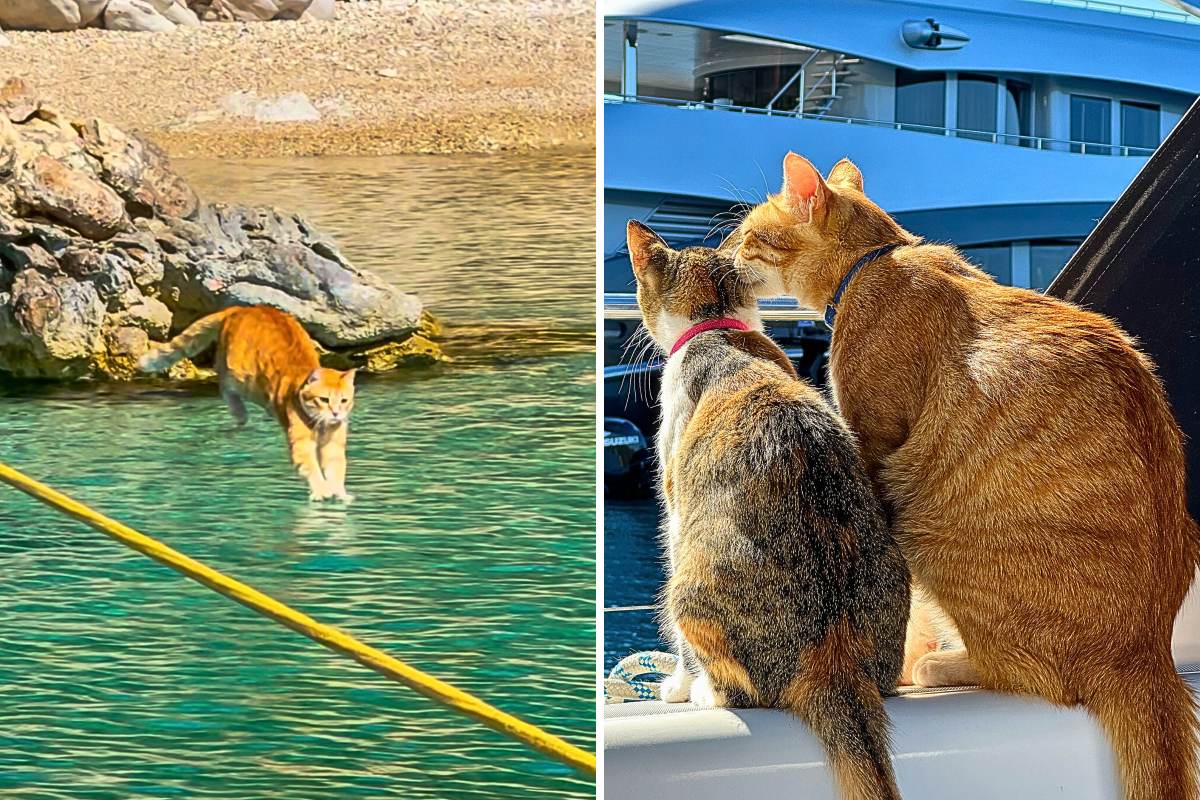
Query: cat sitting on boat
264,356
786,589
1027,455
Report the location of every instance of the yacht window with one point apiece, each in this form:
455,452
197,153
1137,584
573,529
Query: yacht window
1139,128
754,88
994,259
976,105
1046,260
614,53
921,99
1018,113
1091,122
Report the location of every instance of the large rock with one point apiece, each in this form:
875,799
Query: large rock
90,11
47,187
138,170
49,329
176,11
263,256
40,15
18,100
321,9
250,10
103,249
135,15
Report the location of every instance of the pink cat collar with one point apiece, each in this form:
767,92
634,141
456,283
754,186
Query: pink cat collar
710,325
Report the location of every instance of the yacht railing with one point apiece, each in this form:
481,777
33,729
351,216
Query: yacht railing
1013,139
623,305
1117,8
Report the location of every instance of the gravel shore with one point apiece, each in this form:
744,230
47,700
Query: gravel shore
385,77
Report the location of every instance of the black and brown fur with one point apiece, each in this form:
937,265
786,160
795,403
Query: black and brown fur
786,589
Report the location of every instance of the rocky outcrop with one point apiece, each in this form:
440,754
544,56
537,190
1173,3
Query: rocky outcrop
42,15
104,250
150,15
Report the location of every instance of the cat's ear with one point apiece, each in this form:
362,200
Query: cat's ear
844,173
349,374
646,249
313,376
804,189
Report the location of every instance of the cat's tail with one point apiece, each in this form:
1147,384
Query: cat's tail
194,340
1149,714
846,713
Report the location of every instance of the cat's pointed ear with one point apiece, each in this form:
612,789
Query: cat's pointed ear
313,376
804,189
646,249
349,375
844,173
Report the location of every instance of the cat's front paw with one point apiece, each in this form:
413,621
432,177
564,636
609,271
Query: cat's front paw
676,688
345,497
702,693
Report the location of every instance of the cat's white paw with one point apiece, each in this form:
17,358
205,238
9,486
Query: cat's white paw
702,693
343,496
675,689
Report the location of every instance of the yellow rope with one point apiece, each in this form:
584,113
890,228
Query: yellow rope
324,635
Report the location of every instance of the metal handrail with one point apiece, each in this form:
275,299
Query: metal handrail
623,305
1015,139
799,73
1117,8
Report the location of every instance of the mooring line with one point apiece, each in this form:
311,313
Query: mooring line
320,633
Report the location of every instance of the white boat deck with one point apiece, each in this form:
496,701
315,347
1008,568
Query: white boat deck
947,744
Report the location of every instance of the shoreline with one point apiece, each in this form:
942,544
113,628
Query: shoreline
387,77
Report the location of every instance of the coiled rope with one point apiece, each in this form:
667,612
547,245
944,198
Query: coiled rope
322,634
622,686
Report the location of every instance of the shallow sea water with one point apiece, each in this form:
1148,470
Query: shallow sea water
470,551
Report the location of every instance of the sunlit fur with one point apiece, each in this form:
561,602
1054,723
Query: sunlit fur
785,588
1028,459
264,356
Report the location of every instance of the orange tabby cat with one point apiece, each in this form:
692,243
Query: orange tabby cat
263,355
1028,459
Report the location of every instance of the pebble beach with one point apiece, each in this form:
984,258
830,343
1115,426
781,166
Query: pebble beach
385,77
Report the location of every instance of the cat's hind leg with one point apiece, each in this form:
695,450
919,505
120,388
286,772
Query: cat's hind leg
237,407
930,629
945,668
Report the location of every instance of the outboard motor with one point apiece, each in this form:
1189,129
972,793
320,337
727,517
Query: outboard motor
627,467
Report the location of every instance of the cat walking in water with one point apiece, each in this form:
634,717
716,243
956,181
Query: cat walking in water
1028,459
786,589
264,356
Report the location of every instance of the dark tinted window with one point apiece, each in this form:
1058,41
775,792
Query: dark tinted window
1091,121
754,88
996,260
921,98
1139,127
1046,260
1018,113
976,104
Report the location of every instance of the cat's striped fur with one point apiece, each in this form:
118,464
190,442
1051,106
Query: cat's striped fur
786,589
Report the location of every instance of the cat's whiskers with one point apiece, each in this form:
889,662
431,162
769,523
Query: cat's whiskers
642,344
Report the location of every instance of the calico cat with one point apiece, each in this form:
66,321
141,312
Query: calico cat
786,589
1026,455
264,356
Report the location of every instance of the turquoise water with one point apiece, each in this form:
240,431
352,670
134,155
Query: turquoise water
470,551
